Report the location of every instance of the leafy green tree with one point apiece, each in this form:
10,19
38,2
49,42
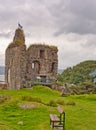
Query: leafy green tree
79,73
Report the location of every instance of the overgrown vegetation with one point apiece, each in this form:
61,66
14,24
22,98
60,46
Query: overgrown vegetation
30,98
79,79
16,43
19,41
29,109
79,73
3,98
40,44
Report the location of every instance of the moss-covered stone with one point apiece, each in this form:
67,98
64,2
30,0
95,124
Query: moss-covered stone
19,36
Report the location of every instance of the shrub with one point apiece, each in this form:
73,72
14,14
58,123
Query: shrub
32,99
52,103
3,98
61,102
71,103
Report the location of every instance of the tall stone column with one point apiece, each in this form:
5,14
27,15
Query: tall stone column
15,61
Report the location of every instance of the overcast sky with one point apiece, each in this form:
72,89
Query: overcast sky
68,24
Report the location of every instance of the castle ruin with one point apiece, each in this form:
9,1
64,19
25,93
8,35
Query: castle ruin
22,64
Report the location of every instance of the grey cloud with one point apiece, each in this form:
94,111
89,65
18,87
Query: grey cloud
31,13
86,9
74,16
65,16
41,18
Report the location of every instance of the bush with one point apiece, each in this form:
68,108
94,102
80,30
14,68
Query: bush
52,103
32,99
3,98
61,102
71,103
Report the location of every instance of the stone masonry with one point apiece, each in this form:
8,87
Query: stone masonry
23,64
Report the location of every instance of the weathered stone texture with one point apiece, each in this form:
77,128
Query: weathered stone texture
42,61
15,63
15,66
21,64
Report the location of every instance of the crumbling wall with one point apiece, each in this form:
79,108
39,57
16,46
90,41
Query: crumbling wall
42,61
23,65
15,62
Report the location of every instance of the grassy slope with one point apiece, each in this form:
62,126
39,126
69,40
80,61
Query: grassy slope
81,116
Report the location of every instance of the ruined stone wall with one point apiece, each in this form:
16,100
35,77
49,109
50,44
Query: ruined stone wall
22,65
15,66
42,61
15,63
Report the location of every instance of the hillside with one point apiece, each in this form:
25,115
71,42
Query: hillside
29,109
79,73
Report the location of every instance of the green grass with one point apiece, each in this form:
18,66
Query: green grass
80,109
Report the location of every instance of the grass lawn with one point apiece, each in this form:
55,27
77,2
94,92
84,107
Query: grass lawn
16,115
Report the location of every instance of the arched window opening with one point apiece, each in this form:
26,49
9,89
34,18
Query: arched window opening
36,67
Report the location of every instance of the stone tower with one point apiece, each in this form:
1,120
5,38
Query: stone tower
15,61
23,64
